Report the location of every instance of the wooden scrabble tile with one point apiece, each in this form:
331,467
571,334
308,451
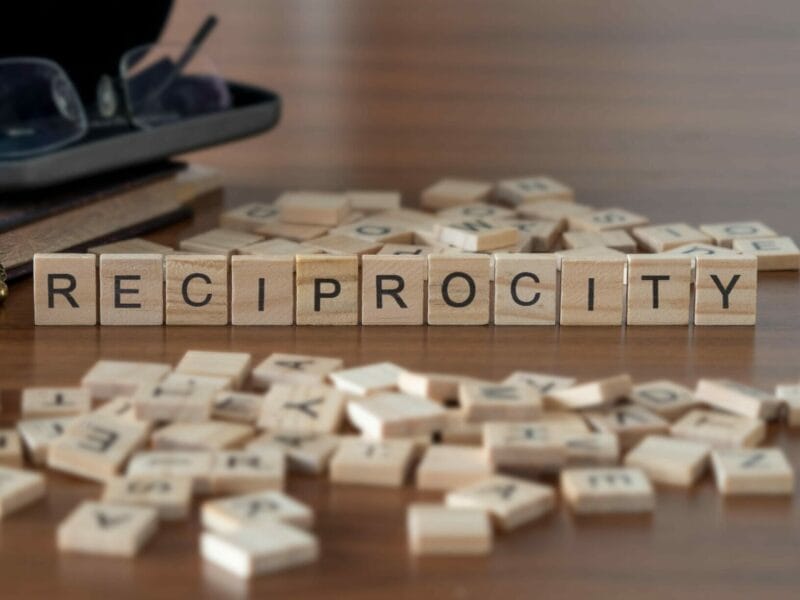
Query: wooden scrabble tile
665,398
721,430
476,234
270,548
618,239
478,210
592,290
630,423
661,238
38,434
240,471
441,387
219,241
374,230
172,400
171,497
120,408
371,462
327,290
10,448
752,471
313,208
131,246
394,415
107,529
367,379
528,445
541,382
789,394
262,290
535,235
593,449
173,465
305,452
594,394
197,289
725,290
64,289
555,210
458,289
533,189
607,219
18,489
510,501
695,250
277,247
447,193
590,252
393,290
253,510
96,447
184,380
669,460
131,289
294,368
234,366
733,397
302,408
249,217
436,530
525,287
772,254
209,435
344,245
449,466
457,431
607,490
481,402
107,379
659,289
292,231
237,407
41,402
723,234
408,250
374,201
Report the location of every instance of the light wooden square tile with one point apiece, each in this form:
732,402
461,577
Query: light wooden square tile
442,531
277,247
752,471
107,379
344,245
239,471
395,415
65,289
772,254
593,394
393,290
669,460
18,489
476,234
607,219
723,234
305,452
106,529
374,201
172,400
789,395
659,289
525,289
458,289
499,402
541,382
279,367
196,289
447,193
618,239
253,510
236,407
314,208
532,189
478,210
408,250
194,466
665,398
531,445
327,290
607,490
302,408
371,462
630,423
376,230
661,238
262,290
457,431
120,408
535,235
234,366
442,387
42,402
249,217
209,435
182,380
294,232
131,289
171,497
367,379
554,210
131,246
725,290
10,448
593,449
219,241
38,434
721,430
592,290
731,396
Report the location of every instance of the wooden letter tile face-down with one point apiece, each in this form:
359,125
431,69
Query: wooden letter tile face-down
205,435
234,366
131,289
171,497
659,289
669,460
107,379
292,408
327,290
394,415
65,289
592,290
525,287
458,289
197,289
752,471
106,529
253,510
731,396
262,290
445,467
607,490
393,290
725,290
18,489
440,530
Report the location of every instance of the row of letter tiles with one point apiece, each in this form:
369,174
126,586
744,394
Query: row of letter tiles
451,289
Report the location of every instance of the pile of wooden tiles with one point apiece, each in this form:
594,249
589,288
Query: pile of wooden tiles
531,256
156,437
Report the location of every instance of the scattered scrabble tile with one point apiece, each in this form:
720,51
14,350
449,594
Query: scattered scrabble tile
607,490
592,290
110,378
476,235
534,189
299,408
371,462
326,290
591,252
772,254
249,217
276,247
723,234
721,430
789,394
511,502
527,445
458,289
367,379
725,290
294,368
618,239
38,434
239,407
661,238
250,552
752,471
120,408
392,414
209,435
696,249
305,452
96,447
173,400
234,366
525,289
262,290
441,387
479,210
239,471
447,193
446,466
408,250
18,489
344,245
313,208
594,394
373,201
197,289
171,497
292,231
393,290
183,380
499,402
668,460
64,289
10,448
54,402
731,396
439,530
630,423
457,431
591,449
131,291
190,465
248,511
375,230
665,398
106,529
219,241
555,210
131,246
659,289
535,235
607,219
541,382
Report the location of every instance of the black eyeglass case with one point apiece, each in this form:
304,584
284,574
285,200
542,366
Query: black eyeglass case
87,39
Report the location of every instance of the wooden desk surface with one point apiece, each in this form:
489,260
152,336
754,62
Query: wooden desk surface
681,112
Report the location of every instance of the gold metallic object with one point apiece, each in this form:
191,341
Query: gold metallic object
3,286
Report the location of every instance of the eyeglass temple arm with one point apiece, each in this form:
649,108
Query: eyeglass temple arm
196,42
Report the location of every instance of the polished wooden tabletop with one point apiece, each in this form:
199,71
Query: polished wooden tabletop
681,110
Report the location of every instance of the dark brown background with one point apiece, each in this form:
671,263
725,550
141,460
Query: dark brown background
682,110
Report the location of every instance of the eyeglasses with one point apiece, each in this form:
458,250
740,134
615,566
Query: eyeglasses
41,110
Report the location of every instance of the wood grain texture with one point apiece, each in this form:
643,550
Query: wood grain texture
682,114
